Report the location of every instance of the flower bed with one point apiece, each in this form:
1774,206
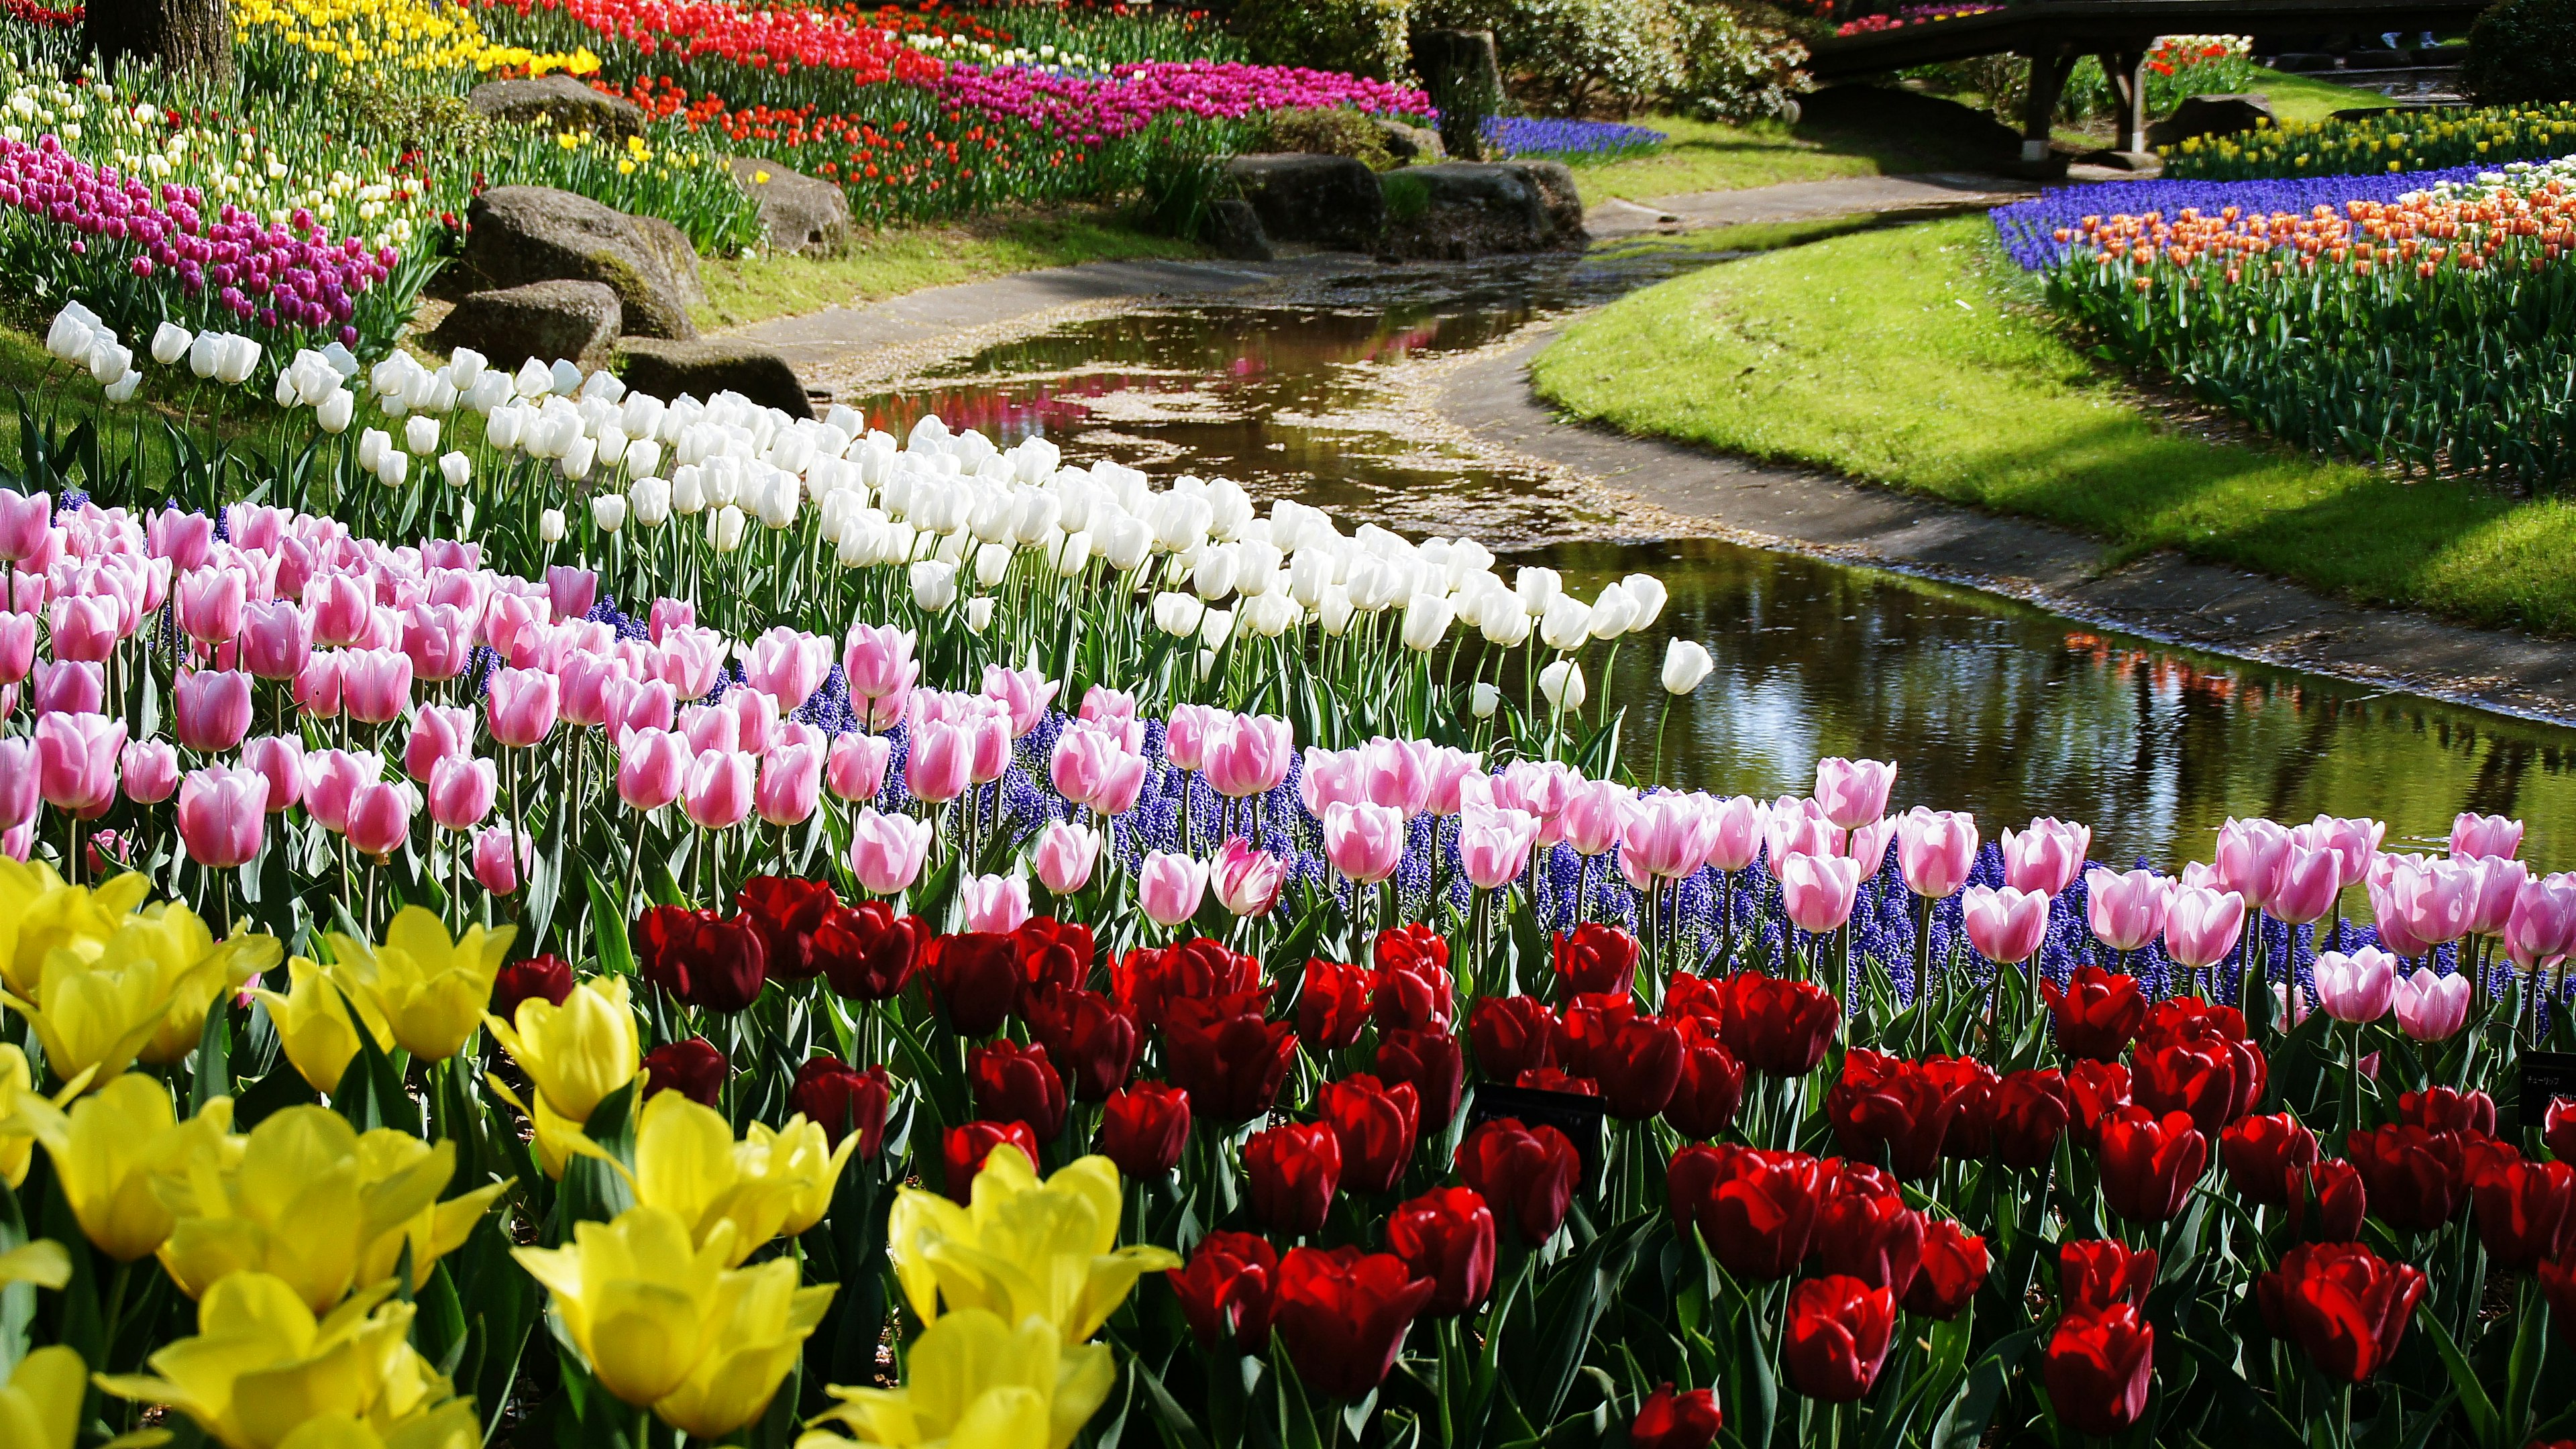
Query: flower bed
2399,140
1567,140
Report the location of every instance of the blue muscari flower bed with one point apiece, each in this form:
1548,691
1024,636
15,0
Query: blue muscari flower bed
1573,140
2028,228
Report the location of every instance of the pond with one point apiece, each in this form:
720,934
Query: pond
1987,704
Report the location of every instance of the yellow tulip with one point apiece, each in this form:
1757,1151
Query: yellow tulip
42,1262
39,915
973,1382
1021,1247
17,1131
196,970
760,1325
94,1014
313,1024
451,1425
40,1404
262,1367
812,1162
576,1053
307,1199
637,1297
431,990
767,1185
107,1149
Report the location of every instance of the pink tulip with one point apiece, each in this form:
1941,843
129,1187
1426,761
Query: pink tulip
711,727
17,646
1185,731
2249,858
437,732
380,818
1456,777
2491,836
510,621
790,784
1868,845
1103,705
582,686
991,728
1494,846
652,768
2201,925
1364,841
2541,930
461,790
2006,926
438,639
24,522
886,851
1024,692
1935,850
1665,835
86,627
185,539
996,903
375,685
1250,755
669,614
941,757
2126,909
1246,880
2305,884
788,663
150,770
211,708
1735,833
76,761
333,778
2046,856
1595,814
2356,988
496,865
637,704
1817,890
1853,792
881,671
2354,842
281,759
1087,762
2420,902
1065,856
2431,1007
21,779
1396,774
523,706
1796,826
570,590
339,605
2491,898
210,604
318,685
1170,887
1538,787
857,768
73,686
1330,777
718,793
222,816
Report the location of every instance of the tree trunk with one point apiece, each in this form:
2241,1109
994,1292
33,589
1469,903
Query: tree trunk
183,37
1459,69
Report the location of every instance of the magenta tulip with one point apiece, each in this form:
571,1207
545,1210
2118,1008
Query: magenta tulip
211,708
571,591
223,814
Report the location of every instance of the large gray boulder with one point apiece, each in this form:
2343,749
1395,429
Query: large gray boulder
1325,201
1463,209
543,320
798,212
521,234
709,366
666,241
1410,144
1234,230
2218,115
559,101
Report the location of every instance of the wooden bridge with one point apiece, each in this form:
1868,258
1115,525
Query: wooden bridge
2053,33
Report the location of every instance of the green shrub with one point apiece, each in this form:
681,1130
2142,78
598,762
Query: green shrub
1337,131
1734,71
1571,57
2523,51
1364,37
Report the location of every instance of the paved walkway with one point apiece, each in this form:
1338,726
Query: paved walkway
1803,201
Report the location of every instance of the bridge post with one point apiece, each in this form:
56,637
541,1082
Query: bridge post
2127,71
2049,67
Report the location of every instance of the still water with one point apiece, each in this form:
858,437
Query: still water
1987,705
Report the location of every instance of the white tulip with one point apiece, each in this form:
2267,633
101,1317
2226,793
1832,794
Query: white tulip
688,489
1567,624
1506,628
1562,683
550,526
69,338
563,379
534,379
934,584
420,435
651,498
992,561
393,465
1125,542
1537,586
608,512
1483,699
1686,663
372,445
726,526
1213,579
337,411
1335,611
1612,613
979,615
239,360
1426,621
643,458
1649,594
170,343
1070,554
1215,627
456,469
108,360
465,367
203,353
574,464
1178,614
122,390
284,394
604,385
1270,615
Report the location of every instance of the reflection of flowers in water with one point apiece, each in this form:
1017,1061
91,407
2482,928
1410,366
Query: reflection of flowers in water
2170,675
1006,416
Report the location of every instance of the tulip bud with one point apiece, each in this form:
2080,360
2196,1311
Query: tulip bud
124,388
1562,683
1686,663
420,435
934,585
725,527
1483,699
1426,621
608,512
170,343
550,525
979,615
392,466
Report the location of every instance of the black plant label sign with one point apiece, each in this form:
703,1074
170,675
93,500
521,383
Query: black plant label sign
2545,1075
1578,1116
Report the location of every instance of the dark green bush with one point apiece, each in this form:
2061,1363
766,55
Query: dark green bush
2523,51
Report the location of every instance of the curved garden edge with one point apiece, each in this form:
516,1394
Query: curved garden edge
2163,596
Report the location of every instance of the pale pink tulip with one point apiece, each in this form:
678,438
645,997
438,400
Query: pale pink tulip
2007,925
76,761
380,818
1065,855
1457,776
1935,849
1817,890
790,784
21,777
210,604
1186,731
281,759
2202,924
652,768
669,614
2499,882
222,816
438,639
1024,692
150,770
375,685
1396,774
86,628
523,705
461,790
2542,928
630,703
2431,1007
939,763
1853,792
571,590
1092,768
1795,825
880,668
1103,705
1539,787
333,778
2353,841
1494,846
2491,836
2358,987
1735,832
998,903
1596,813
1170,887
1364,841
718,793
1246,880
70,686
2249,858
317,685
2046,856
437,732
210,709
1249,755
583,681
991,759
1868,845
2126,909
1330,777
2420,901
886,851
857,768
496,866
711,727
24,523
789,664
17,646
1665,835
2305,884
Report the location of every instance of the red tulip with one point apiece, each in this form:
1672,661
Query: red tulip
1838,1333
1639,1067
2029,1115
1527,1174
699,957
2558,1286
1779,1027
1291,1172
1711,1085
2097,1012
1147,980
1875,1238
842,1099
1513,1035
1688,996
2416,1178
1053,953
2195,1076
1431,1061
1447,1236
2097,1273
1667,1420
2344,1304
2440,1109
1015,1083
1885,1108
788,912
1227,1056
1225,1291
2095,1091
1412,989
2333,1189
1549,1079
1086,1035
2150,1163
1415,947
2100,1369
1376,1126
2526,1211
1594,958
974,980
2267,1157
1755,1210
1969,1085
966,1147
2177,1017
547,978
1954,1267
2558,1130
691,1067
867,952
1343,1315
1144,1128
1332,1005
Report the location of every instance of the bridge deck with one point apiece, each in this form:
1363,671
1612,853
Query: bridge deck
2085,27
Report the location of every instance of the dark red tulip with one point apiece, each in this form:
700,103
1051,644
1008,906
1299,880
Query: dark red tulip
2195,1076
1756,1210
2440,1109
843,1099
1412,989
1590,1025
1343,1315
1144,1128
2029,1115
2097,1012
1015,1083
1376,1126
2267,1157
965,1148
1086,1036
1970,1086
1225,1290
2342,1303
2150,1163
1227,1056
1447,1236
1291,1172
1640,1068
691,1067
788,912
1512,1035
1953,1268
1332,1005
2176,1017
1147,980
2096,1273
2416,1178
1874,1238
2332,1189
1526,1174
1885,1109
2526,1211
1594,958
2094,1092
1667,1420
2558,1128
701,958
1549,1079
1053,953
1431,1061
974,980
1711,1085
2558,1287
1414,947
1837,1337
2100,1369
1695,997
1777,1027
867,952
539,978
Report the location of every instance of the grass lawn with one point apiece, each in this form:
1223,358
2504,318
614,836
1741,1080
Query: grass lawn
2308,97
1711,156
889,263
1918,357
